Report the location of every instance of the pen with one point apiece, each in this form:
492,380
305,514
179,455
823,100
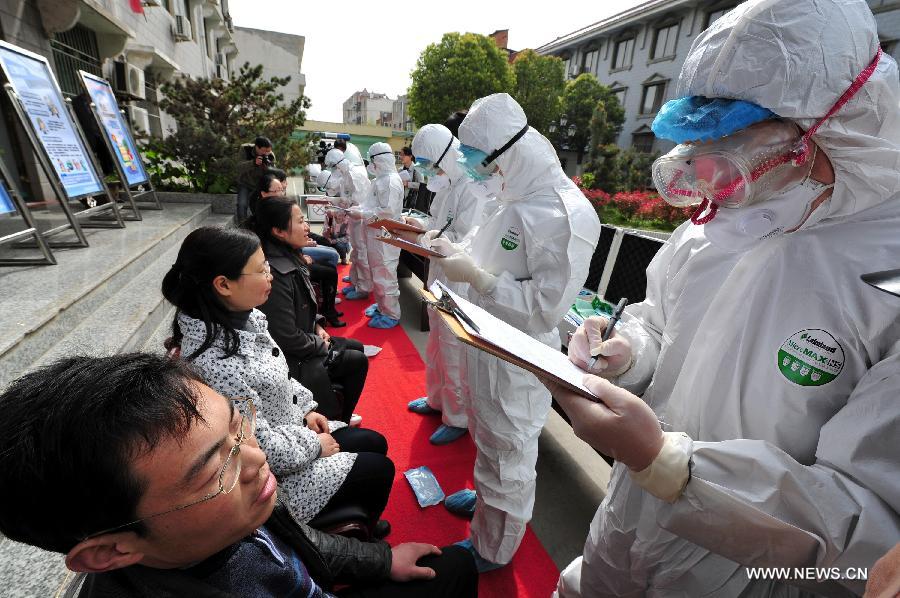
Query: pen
441,232
617,313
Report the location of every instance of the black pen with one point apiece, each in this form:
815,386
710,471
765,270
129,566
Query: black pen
441,232
614,318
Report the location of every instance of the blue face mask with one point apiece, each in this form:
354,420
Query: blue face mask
472,161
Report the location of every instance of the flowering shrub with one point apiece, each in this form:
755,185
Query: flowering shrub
636,209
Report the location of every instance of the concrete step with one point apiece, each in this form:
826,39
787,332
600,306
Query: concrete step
127,320
39,306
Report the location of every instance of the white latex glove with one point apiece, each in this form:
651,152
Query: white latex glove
355,213
428,236
615,354
621,425
443,245
460,267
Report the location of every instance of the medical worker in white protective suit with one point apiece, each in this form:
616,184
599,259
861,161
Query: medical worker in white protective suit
774,367
457,205
354,193
385,201
527,262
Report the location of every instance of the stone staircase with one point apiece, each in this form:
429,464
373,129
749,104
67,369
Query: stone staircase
98,300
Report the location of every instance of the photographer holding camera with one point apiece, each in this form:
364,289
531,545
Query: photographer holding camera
256,158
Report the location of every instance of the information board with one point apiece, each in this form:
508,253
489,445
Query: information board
34,84
116,130
6,203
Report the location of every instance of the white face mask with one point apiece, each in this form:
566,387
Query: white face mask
493,184
438,182
371,168
738,229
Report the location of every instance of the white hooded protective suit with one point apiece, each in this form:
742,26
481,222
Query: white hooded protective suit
353,155
538,243
781,366
461,204
355,192
385,200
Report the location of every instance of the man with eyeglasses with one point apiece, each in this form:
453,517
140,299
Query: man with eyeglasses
153,484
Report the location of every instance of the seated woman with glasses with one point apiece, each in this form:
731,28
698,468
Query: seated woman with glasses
217,281
316,359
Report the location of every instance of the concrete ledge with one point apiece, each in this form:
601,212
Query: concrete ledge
222,203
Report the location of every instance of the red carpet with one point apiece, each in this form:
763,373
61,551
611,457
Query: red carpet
396,376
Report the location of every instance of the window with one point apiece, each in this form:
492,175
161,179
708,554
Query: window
642,141
664,40
619,92
589,60
622,53
653,97
74,50
714,15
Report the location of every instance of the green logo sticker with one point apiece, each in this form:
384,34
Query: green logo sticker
811,357
511,238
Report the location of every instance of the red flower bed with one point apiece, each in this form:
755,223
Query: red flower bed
636,208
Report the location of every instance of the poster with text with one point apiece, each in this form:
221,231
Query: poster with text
32,80
6,203
115,128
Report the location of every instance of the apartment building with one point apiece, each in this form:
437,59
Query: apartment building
281,55
368,108
639,54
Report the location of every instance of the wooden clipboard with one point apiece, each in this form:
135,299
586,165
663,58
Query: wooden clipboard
393,225
459,332
411,247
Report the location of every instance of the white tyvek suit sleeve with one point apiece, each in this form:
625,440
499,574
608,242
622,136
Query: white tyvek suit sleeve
387,194
644,322
468,207
840,511
537,305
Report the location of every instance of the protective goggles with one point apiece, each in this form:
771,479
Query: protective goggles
746,167
478,164
429,168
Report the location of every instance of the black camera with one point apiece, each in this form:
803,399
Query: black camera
267,160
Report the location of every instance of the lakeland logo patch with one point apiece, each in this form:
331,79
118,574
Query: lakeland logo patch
511,239
811,358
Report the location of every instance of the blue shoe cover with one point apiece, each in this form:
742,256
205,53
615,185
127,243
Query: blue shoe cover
481,564
346,279
421,407
461,503
348,290
446,434
382,321
354,294
371,310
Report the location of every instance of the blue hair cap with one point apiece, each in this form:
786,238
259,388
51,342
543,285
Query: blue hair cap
697,118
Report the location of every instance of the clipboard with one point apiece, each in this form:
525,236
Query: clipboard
481,344
411,247
393,225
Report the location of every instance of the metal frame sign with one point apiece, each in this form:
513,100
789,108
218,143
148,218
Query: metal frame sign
35,86
117,131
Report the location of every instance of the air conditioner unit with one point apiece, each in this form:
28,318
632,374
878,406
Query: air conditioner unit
182,31
134,83
140,119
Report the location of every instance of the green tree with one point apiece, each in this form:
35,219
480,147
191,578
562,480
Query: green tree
579,102
214,117
540,81
603,153
452,74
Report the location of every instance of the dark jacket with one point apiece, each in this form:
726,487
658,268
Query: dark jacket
248,173
329,559
291,308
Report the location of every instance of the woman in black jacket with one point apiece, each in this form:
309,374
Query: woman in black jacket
315,358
